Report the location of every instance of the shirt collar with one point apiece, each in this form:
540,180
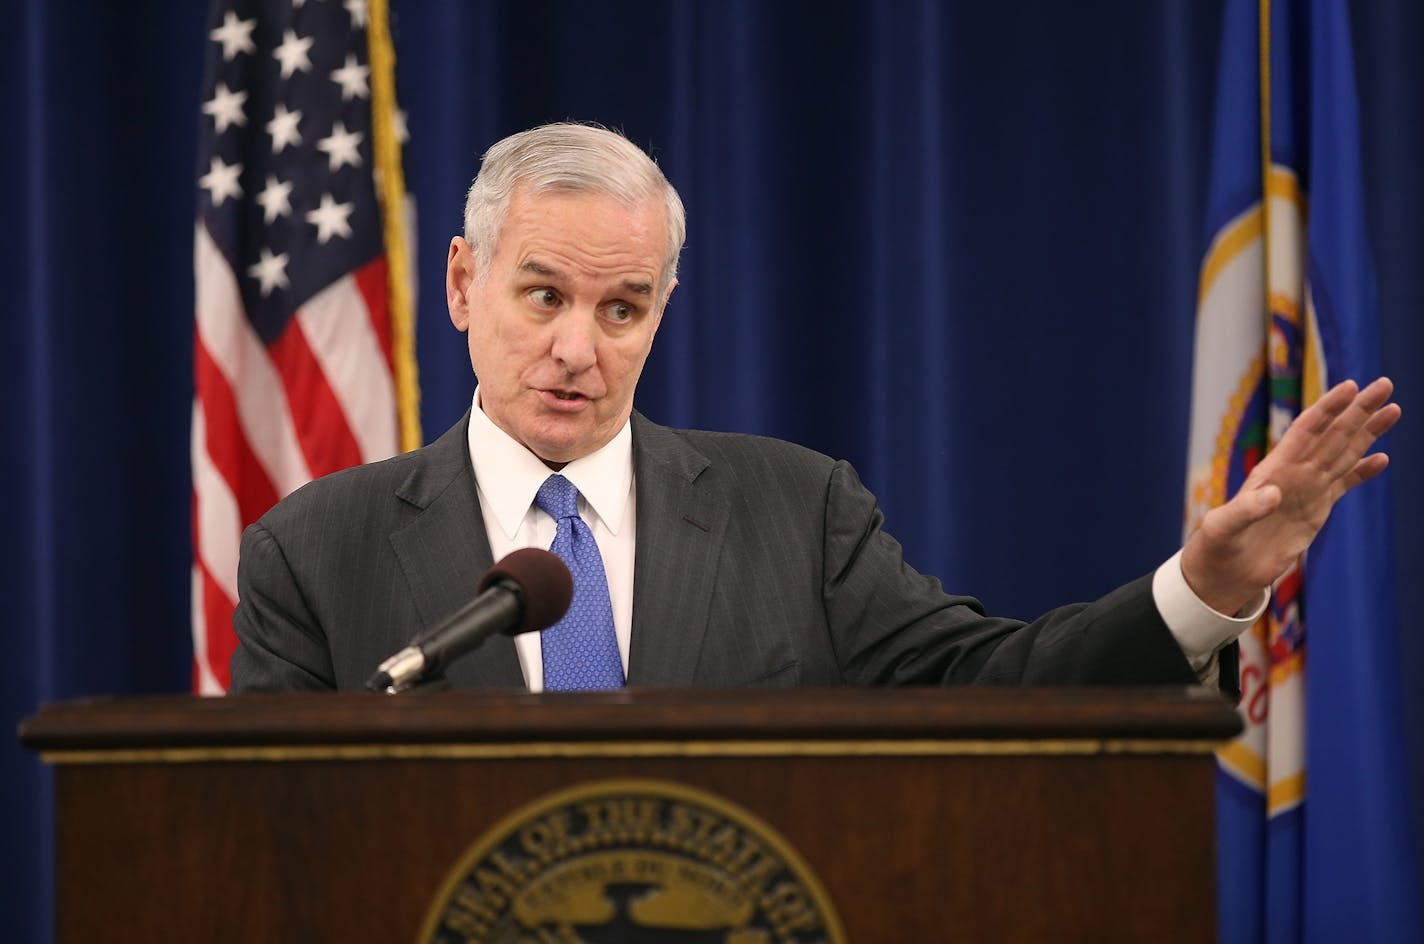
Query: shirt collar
508,475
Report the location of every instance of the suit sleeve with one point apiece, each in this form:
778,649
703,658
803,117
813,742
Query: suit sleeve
891,625
280,646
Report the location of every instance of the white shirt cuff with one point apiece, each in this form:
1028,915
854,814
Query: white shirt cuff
1200,630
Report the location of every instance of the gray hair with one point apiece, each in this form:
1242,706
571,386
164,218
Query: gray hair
571,158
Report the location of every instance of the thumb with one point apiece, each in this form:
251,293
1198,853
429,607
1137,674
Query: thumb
1248,507
1267,499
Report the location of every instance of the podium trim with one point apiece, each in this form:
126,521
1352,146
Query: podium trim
562,749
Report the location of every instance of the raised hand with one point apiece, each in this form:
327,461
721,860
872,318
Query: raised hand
1245,544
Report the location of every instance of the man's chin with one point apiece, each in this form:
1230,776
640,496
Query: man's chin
560,438
558,451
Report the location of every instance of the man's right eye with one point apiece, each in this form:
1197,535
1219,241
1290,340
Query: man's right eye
544,298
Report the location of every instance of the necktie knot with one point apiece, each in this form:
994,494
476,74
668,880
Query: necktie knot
558,498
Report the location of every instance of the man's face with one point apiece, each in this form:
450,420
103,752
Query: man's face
561,325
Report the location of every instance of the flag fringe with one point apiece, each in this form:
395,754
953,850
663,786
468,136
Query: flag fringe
390,190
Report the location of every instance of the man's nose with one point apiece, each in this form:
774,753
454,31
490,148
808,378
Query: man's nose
575,340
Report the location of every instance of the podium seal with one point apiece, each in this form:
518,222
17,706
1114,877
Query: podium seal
631,861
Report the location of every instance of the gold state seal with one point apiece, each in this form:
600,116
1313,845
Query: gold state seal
630,861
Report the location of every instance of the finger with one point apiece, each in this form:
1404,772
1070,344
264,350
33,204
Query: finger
1378,392
1383,420
1379,424
1364,470
1375,425
1331,450
1318,417
1305,432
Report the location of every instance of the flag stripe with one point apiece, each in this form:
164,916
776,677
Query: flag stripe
371,282
204,681
242,359
337,328
326,439
217,611
223,444
217,522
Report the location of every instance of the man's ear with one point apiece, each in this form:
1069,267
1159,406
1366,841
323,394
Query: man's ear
663,307
459,273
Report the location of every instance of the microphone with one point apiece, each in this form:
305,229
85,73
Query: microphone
529,589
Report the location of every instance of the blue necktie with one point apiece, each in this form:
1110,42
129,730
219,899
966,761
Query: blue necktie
580,650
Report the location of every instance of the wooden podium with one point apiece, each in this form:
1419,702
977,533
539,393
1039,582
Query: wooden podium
974,814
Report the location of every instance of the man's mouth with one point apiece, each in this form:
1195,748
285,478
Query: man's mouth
567,399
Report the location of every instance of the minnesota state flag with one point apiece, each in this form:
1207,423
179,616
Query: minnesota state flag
1311,806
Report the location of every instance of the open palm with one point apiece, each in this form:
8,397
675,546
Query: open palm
1245,544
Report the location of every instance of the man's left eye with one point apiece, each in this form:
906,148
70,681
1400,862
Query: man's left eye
620,312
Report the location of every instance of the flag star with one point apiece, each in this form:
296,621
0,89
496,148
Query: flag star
292,54
275,199
340,148
357,9
402,131
270,271
221,181
235,36
283,128
352,79
226,107
330,219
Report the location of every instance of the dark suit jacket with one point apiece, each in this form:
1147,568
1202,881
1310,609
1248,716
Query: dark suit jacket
758,562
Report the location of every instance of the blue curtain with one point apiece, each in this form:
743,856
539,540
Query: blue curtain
954,242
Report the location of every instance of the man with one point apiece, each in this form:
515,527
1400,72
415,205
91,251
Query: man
700,559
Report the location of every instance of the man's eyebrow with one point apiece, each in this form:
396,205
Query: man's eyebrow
535,267
544,271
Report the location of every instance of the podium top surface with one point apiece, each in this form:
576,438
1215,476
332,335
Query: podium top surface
1194,718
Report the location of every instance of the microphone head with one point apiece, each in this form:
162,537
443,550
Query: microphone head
544,580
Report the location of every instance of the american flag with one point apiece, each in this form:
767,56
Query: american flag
294,362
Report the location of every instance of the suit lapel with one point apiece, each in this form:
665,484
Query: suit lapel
679,542
444,552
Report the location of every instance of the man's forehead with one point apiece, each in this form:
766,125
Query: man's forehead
558,231
538,199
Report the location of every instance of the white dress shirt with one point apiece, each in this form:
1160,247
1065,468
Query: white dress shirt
508,476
